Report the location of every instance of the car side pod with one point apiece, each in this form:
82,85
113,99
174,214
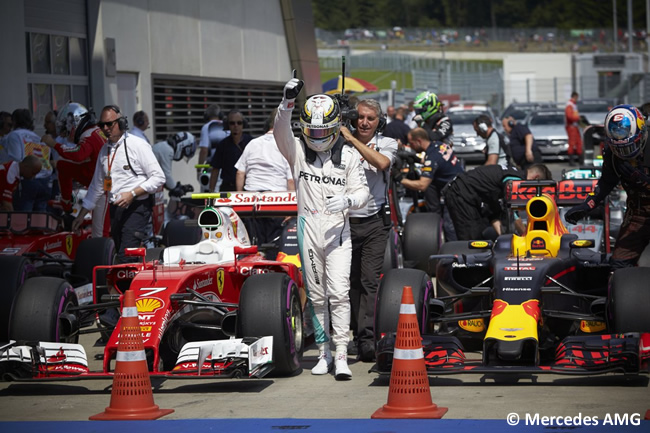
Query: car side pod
409,395
131,395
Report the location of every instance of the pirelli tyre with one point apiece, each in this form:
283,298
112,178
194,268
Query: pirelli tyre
40,312
421,239
629,300
393,254
389,298
14,271
181,232
269,304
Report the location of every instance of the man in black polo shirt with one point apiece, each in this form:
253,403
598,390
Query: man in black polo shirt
440,166
228,152
522,145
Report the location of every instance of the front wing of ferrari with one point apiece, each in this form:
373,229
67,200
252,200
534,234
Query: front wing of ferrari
233,358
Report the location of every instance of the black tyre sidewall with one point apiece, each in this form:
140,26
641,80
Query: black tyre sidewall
13,270
389,298
264,309
628,301
421,239
36,309
178,232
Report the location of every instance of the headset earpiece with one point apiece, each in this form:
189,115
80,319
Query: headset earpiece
483,127
382,123
122,121
511,123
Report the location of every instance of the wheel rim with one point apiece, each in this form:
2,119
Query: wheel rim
295,317
73,337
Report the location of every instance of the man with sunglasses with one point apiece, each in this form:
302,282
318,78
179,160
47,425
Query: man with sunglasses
127,175
228,152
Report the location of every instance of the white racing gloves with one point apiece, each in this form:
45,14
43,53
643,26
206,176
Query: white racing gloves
291,91
338,203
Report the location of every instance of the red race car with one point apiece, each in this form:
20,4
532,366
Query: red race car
215,309
34,244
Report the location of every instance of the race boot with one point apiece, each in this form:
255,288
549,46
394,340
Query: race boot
325,361
341,369
571,160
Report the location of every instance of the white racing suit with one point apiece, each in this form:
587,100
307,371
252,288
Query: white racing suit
324,239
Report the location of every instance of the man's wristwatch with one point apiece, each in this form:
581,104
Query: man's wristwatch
133,193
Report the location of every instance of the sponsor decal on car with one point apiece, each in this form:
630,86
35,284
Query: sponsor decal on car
520,268
538,244
148,305
52,245
473,325
592,326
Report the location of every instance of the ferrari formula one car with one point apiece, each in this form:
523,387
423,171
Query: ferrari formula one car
216,309
536,303
35,244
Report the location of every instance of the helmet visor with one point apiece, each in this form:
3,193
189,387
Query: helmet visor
319,132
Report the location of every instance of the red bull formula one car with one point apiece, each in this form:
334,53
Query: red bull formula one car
216,309
542,302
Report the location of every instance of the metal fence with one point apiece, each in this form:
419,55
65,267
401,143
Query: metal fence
480,80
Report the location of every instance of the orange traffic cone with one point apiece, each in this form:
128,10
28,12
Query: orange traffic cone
131,396
408,394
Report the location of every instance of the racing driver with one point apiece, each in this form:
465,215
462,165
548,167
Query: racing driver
78,162
624,160
329,180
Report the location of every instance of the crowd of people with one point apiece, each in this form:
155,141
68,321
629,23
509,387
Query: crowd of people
342,168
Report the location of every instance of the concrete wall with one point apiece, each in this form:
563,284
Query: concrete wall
536,77
13,79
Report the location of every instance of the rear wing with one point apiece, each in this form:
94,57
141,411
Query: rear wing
565,192
259,204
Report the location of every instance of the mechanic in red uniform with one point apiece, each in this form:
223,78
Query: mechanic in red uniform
10,174
78,156
572,125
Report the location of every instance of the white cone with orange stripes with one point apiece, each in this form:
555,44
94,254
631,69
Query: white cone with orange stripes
409,395
131,396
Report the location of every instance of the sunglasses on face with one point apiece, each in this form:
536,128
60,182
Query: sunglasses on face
238,122
108,124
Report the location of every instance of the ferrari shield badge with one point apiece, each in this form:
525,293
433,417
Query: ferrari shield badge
69,242
220,280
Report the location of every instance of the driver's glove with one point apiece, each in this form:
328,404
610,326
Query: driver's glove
576,213
338,203
291,91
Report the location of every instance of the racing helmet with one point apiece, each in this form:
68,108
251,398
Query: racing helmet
72,120
213,224
320,122
184,145
626,131
426,104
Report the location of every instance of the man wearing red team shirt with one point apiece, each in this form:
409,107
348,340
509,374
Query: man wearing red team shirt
10,174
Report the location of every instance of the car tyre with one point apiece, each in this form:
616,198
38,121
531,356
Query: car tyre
421,240
393,254
269,304
181,232
14,270
629,299
37,309
389,298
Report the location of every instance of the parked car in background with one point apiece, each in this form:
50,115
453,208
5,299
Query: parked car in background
549,133
595,110
467,144
519,110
